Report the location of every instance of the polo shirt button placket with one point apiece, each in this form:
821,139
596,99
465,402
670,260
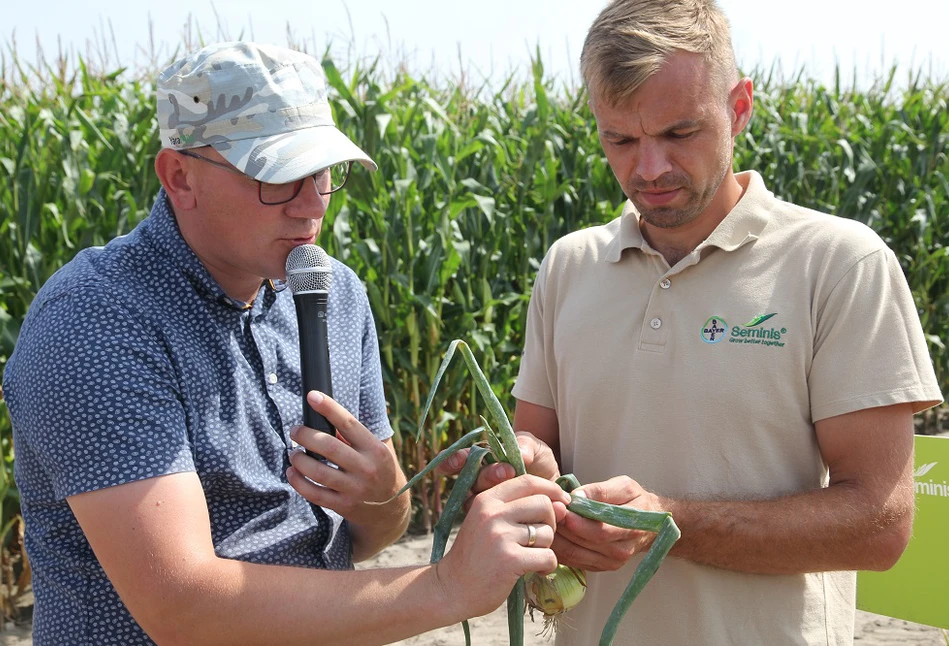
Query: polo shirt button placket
655,323
665,283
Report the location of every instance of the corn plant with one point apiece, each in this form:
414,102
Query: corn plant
501,445
474,184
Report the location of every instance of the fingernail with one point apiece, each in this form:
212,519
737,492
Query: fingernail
293,432
316,397
579,493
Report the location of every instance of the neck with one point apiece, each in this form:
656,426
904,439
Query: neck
678,242
236,283
240,289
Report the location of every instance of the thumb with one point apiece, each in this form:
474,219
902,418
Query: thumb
616,491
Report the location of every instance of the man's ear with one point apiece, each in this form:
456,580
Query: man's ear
741,102
175,177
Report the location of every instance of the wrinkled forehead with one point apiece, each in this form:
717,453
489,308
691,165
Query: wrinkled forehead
684,89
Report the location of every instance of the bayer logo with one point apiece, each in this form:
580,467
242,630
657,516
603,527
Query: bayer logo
714,329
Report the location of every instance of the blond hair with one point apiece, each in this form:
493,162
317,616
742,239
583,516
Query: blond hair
631,40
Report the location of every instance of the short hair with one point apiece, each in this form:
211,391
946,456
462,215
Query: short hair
632,39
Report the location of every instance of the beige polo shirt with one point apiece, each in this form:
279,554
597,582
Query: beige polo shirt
704,380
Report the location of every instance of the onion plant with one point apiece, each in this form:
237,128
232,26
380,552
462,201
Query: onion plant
500,445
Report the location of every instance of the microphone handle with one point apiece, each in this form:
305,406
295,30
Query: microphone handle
314,356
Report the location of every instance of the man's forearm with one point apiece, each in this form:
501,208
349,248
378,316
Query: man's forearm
837,528
231,602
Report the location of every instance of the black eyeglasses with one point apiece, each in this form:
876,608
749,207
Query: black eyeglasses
327,180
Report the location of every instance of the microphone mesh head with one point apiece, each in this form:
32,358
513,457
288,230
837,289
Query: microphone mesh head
309,269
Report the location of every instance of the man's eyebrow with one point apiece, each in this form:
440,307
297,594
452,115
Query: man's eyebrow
685,124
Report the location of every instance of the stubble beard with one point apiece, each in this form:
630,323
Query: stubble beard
663,217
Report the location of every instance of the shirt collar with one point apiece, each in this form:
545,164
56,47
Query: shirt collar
629,235
743,223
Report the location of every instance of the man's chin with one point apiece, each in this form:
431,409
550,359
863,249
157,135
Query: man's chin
667,217
664,218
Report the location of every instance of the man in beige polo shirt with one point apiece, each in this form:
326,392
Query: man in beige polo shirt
747,364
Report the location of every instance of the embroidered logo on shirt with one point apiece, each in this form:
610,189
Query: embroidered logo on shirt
714,329
752,333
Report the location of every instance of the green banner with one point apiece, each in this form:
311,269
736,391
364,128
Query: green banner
917,587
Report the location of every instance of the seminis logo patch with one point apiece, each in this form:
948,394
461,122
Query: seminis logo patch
754,332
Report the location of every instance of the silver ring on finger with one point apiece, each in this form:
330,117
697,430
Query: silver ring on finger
531,535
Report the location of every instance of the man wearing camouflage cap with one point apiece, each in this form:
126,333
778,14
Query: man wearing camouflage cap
155,393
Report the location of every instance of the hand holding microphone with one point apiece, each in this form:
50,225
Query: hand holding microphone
309,274
366,471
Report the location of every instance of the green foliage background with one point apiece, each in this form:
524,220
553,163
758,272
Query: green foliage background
472,189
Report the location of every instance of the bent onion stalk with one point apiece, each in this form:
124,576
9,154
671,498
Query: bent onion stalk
501,446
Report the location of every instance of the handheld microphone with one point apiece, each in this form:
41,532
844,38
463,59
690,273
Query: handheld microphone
309,274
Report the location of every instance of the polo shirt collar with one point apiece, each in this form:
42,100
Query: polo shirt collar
747,219
162,230
629,236
743,223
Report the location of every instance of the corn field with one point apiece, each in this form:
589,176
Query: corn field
472,189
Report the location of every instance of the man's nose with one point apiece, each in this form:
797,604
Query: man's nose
652,162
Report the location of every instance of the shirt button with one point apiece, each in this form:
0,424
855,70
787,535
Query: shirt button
665,283
655,324
272,378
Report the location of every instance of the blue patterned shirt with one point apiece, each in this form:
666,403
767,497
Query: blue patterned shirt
133,363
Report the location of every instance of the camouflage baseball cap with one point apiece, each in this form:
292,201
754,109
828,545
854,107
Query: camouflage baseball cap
262,107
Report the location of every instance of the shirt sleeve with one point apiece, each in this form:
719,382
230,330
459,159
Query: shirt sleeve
373,412
537,369
869,347
96,397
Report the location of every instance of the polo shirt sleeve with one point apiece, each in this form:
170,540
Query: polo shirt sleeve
98,398
373,412
869,347
533,383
